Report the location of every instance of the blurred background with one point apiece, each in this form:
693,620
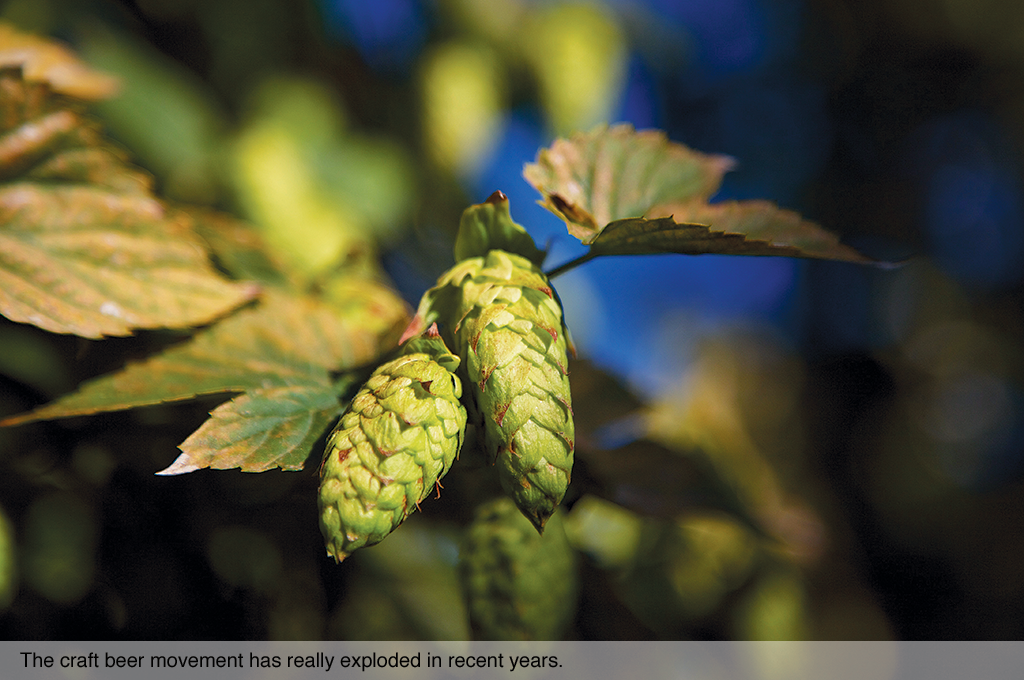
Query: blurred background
870,420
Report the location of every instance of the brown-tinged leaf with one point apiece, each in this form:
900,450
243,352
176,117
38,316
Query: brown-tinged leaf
285,340
751,228
611,173
260,430
102,167
45,61
41,142
737,227
82,260
85,248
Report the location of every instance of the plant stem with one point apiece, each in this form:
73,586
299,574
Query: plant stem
571,264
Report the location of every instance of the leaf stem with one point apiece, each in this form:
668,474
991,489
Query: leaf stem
571,264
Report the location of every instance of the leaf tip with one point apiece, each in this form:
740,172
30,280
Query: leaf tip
181,465
251,290
10,421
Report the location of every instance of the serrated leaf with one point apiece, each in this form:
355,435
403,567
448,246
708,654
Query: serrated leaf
260,430
45,61
612,173
780,231
84,246
285,341
87,261
738,228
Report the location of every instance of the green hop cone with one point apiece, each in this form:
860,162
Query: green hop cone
499,312
513,343
397,439
519,585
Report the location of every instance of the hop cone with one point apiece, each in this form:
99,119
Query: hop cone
400,435
509,332
518,585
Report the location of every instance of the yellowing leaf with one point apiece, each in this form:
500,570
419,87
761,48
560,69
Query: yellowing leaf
84,246
612,173
45,61
280,354
46,137
86,261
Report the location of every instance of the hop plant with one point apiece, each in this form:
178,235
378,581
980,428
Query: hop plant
505,321
397,439
518,585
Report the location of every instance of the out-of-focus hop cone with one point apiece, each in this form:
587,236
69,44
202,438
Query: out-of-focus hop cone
519,585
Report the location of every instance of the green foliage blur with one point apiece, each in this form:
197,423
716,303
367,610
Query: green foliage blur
775,492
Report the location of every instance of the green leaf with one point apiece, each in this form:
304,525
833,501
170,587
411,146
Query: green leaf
286,340
489,226
611,173
280,354
260,430
738,228
84,247
748,228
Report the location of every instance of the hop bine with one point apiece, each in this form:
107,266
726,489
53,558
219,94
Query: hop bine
394,443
